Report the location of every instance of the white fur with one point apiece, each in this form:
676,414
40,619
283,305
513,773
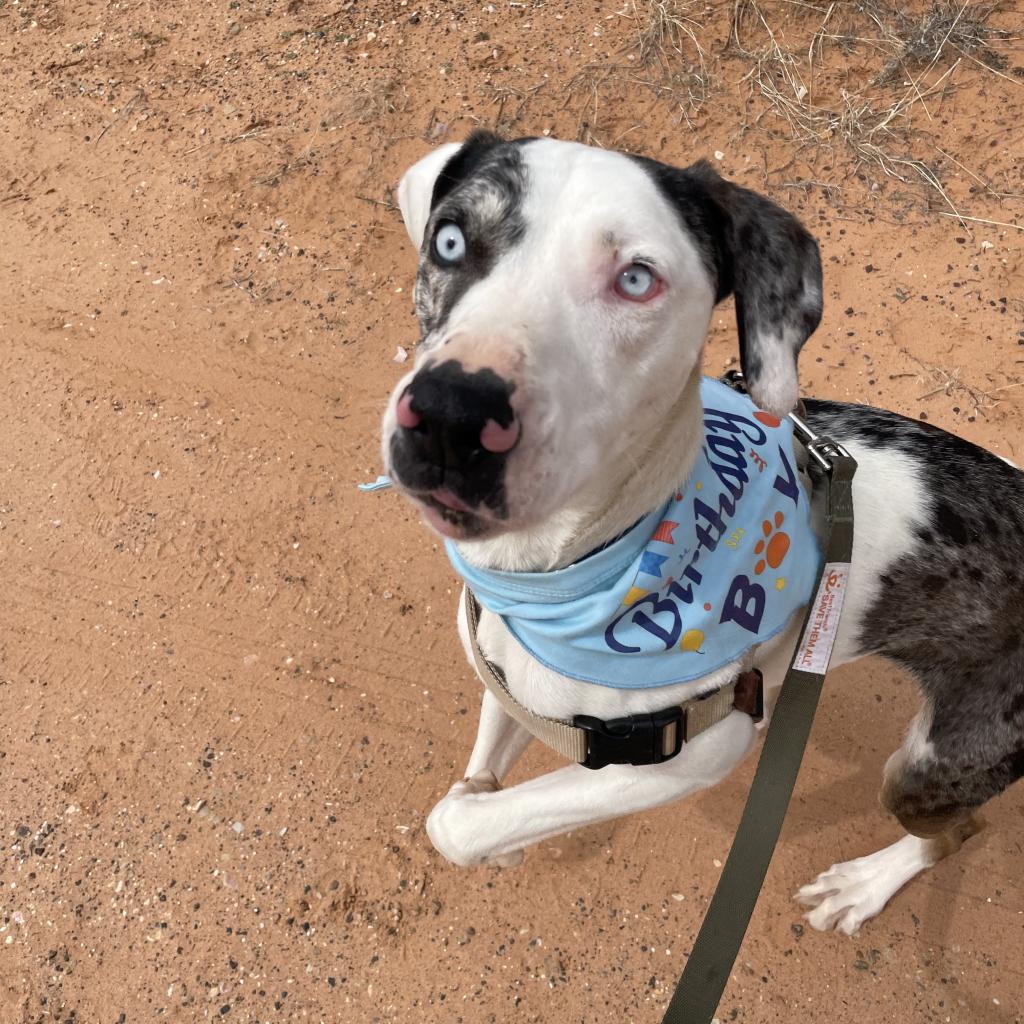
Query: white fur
416,187
776,388
607,389
613,394
848,894
890,503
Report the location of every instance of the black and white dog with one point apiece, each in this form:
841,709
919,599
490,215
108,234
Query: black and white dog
564,294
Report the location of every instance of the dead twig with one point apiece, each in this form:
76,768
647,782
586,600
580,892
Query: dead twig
949,382
378,202
256,128
122,114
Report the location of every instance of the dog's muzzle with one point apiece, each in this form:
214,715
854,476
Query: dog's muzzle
455,432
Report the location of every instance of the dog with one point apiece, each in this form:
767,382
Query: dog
564,294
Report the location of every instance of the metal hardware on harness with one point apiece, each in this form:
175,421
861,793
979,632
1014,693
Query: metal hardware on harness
820,447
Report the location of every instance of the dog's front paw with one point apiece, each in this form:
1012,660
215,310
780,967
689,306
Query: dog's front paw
847,895
458,828
482,782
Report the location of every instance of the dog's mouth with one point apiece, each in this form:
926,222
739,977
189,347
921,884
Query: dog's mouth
451,517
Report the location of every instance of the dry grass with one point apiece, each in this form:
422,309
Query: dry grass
668,44
950,382
590,94
368,103
666,57
512,103
832,78
884,121
946,27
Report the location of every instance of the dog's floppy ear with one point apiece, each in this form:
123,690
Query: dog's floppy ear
766,256
417,186
429,180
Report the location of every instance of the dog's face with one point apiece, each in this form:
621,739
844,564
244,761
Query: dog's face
563,295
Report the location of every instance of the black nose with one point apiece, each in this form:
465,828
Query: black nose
455,427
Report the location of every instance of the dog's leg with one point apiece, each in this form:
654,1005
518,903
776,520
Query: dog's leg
500,741
934,797
476,825
848,894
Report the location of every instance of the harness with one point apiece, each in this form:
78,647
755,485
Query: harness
633,739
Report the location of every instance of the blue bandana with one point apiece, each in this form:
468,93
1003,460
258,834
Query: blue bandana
694,585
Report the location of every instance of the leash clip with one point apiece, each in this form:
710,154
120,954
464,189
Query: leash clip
821,448
825,451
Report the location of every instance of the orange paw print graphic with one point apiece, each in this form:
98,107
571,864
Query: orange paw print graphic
773,546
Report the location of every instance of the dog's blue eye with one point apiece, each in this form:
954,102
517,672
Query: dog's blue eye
636,282
449,243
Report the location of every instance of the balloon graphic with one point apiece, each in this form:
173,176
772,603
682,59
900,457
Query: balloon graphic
692,639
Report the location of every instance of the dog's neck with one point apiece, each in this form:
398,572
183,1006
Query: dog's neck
650,470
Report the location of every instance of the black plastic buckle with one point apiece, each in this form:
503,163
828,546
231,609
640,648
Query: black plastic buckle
635,739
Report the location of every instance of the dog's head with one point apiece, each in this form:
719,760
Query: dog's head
564,293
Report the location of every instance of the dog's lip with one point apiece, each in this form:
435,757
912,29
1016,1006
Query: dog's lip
448,498
456,524
435,518
447,513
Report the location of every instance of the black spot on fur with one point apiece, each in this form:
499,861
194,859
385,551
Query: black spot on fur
950,525
470,158
480,190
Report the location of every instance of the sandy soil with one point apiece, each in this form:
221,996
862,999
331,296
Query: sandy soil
231,687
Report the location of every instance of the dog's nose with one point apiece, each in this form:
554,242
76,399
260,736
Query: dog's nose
450,417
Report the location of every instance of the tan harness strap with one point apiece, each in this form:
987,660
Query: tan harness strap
566,739
573,743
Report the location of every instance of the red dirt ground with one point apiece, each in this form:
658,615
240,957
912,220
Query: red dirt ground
231,686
